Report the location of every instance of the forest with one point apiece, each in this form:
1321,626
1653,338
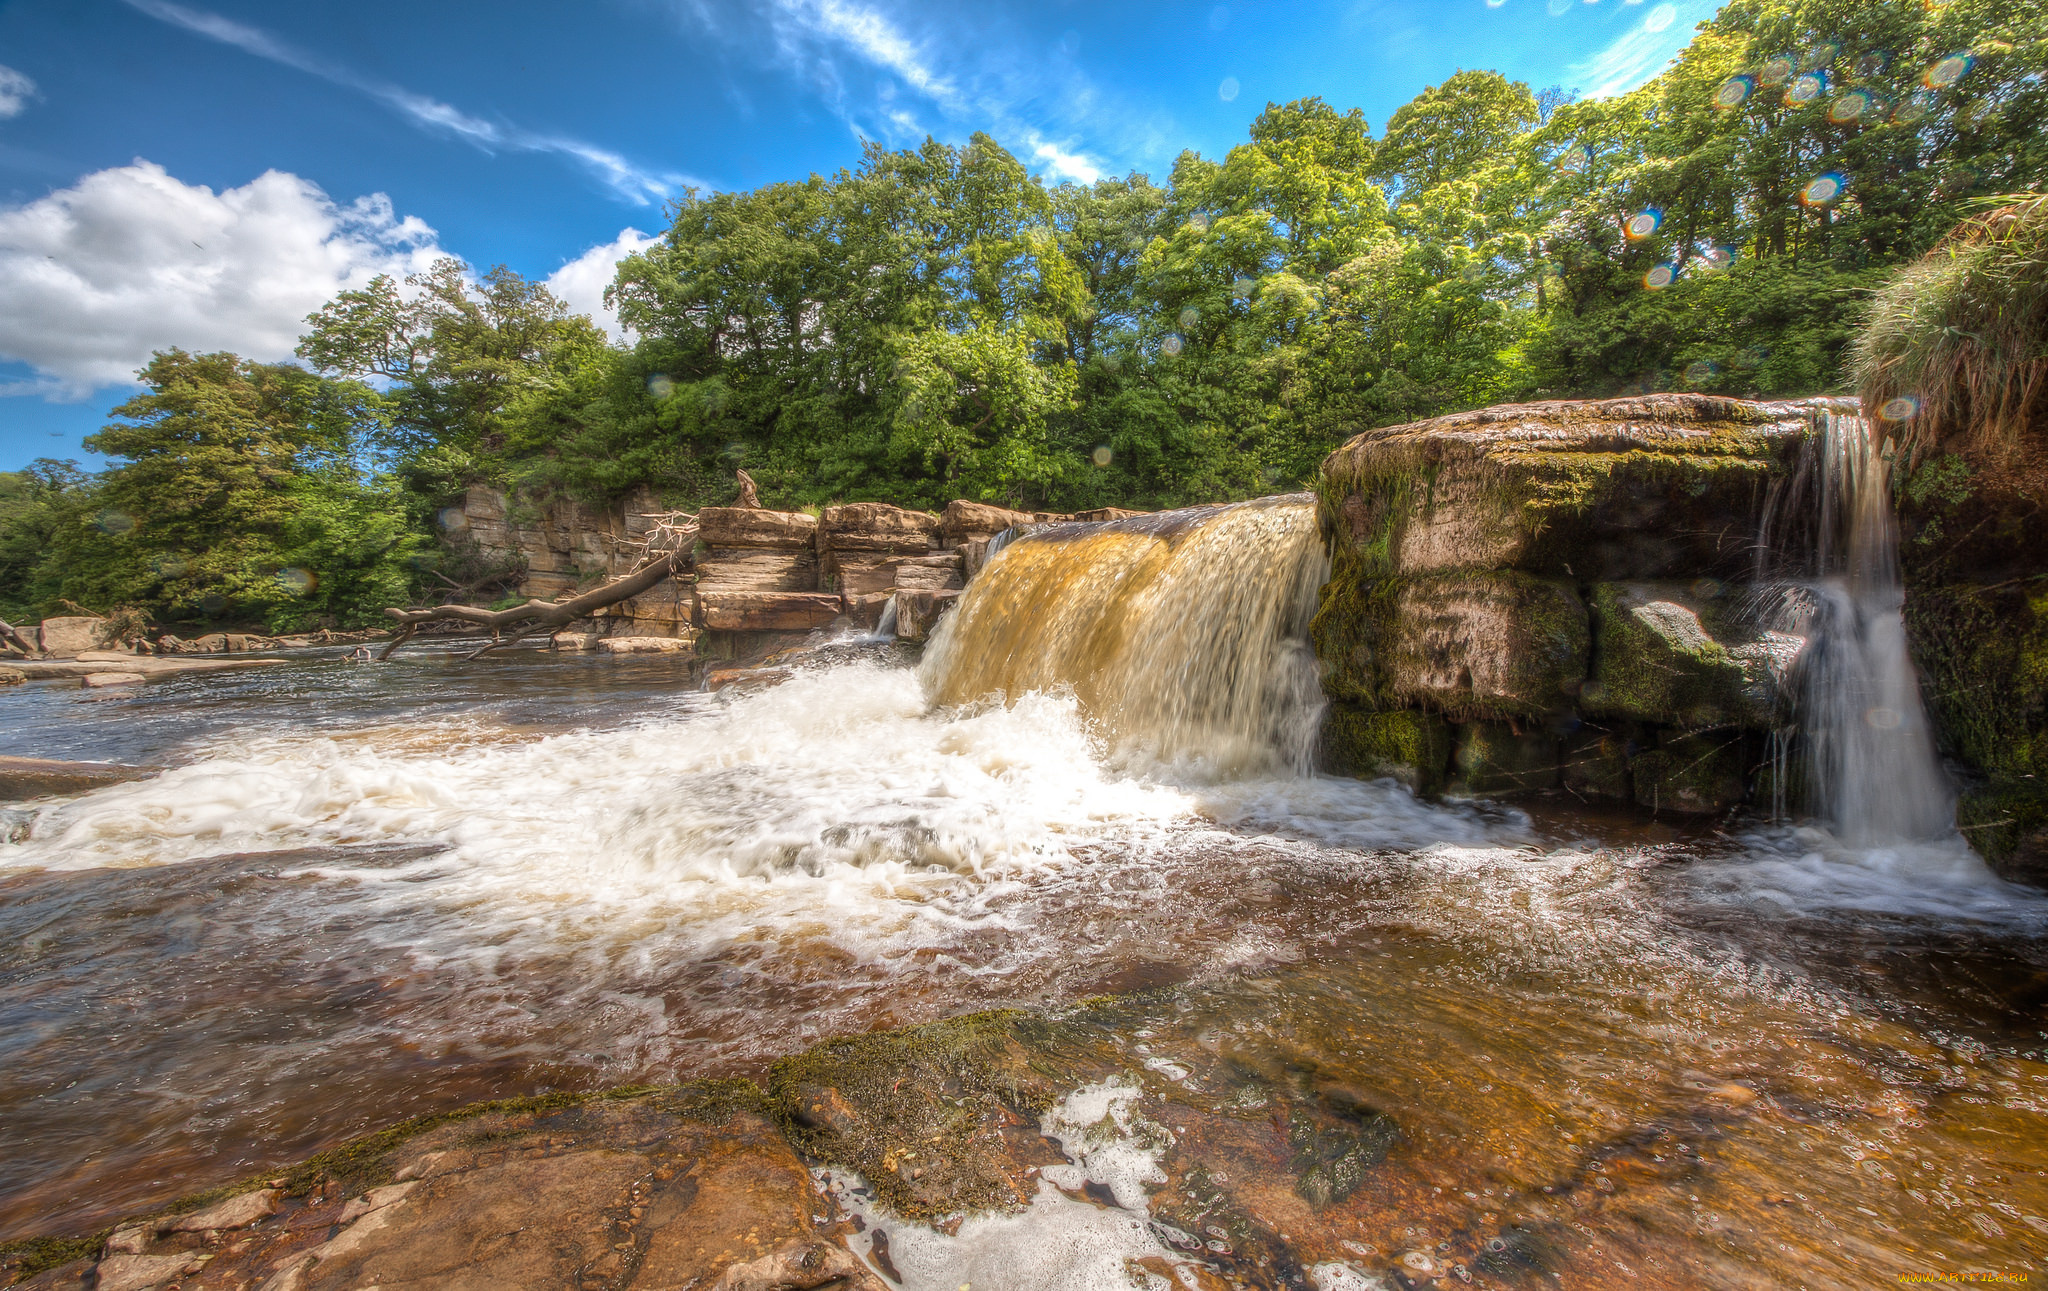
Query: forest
938,322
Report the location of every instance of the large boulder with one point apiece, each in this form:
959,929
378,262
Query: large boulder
875,526
965,520
769,611
1406,745
1643,487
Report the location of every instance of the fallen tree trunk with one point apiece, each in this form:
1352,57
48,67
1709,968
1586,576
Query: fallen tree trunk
537,615
11,637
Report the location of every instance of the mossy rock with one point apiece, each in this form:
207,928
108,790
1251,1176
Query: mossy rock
2007,822
1692,774
1984,654
1495,760
1679,654
1621,488
1407,745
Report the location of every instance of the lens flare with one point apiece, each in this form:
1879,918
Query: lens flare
1883,719
1852,106
1102,456
1913,108
1750,357
1807,88
1227,89
1734,92
1776,72
1199,222
1947,72
171,566
1904,408
1170,347
661,385
452,519
1660,277
1701,372
1822,190
1823,54
114,522
1575,160
1718,259
1643,223
1872,64
1241,288
297,581
1189,317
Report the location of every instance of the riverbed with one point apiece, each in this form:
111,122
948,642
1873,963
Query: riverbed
360,893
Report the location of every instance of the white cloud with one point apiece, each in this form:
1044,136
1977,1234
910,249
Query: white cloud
1065,165
1639,54
633,183
15,92
581,282
848,49
130,260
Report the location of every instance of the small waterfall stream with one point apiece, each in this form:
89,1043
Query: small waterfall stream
1875,773
1184,634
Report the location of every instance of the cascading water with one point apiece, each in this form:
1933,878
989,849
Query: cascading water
1873,763
1183,634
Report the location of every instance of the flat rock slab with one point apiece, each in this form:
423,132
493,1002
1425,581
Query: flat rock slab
24,778
98,661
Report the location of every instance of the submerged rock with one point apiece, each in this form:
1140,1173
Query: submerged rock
1495,759
1691,773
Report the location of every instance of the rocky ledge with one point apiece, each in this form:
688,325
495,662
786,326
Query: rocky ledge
1560,596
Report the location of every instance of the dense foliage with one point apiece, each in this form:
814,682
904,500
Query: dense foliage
937,322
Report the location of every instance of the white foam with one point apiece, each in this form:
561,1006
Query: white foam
1809,871
1060,1242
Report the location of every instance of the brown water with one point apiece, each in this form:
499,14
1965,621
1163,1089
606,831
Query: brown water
1789,1065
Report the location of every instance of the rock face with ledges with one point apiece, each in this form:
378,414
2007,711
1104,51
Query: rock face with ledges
1575,576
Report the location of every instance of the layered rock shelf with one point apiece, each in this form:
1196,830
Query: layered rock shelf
1560,596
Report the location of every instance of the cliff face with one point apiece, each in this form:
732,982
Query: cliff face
1559,594
754,570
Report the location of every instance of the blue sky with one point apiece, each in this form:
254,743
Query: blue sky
184,172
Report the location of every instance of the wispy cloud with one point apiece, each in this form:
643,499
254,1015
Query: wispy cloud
882,79
15,92
634,183
1638,54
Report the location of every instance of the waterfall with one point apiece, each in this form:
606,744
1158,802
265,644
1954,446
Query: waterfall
1183,634
1872,759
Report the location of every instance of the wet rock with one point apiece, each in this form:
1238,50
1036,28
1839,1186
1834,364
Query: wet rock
140,1272
918,611
235,1212
1410,746
683,646
801,1266
12,676
1337,1141
24,778
1695,774
1667,653
99,680
69,637
1494,759
2007,822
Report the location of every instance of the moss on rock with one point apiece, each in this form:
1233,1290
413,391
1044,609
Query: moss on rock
1662,653
2007,822
1410,746
1594,764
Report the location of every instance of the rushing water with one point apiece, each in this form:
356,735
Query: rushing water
363,893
